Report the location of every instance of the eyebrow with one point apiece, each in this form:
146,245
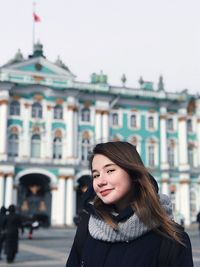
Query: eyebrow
105,166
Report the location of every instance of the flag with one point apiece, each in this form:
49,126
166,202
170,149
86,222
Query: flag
36,17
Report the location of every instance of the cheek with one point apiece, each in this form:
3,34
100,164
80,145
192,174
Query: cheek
94,186
124,187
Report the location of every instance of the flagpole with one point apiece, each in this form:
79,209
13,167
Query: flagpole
33,36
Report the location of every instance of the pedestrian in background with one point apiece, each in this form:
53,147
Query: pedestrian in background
198,220
2,228
127,223
13,224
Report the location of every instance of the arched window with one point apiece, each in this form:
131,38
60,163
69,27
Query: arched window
58,112
36,110
193,203
14,108
171,154
85,114
115,138
57,148
189,125
191,155
151,155
35,146
151,122
85,148
133,121
134,141
13,145
115,119
170,124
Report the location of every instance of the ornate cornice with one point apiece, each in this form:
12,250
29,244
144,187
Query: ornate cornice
49,107
101,111
27,105
182,118
163,117
38,97
16,97
73,108
184,181
3,102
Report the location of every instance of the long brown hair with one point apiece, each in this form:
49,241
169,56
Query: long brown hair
145,202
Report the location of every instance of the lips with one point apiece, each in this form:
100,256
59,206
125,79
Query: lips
105,192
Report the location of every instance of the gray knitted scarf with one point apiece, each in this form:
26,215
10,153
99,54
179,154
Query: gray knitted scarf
128,230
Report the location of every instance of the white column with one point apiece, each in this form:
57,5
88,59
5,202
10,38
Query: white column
3,127
198,141
2,181
163,152
75,133
163,140
14,194
65,140
198,194
9,190
165,184
98,126
182,138
70,132
105,126
185,199
26,110
54,206
197,103
184,178
70,201
61,201
48,135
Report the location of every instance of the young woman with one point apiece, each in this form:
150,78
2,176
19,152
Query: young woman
126,222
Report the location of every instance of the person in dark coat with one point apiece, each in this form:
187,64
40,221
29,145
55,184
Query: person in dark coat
198,220
2,227
12,233
127,222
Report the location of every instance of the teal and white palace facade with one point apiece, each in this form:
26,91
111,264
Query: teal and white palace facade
49,122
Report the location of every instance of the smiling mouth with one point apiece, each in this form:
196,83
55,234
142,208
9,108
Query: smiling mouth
105,192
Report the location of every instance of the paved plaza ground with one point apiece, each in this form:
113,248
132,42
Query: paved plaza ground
50,247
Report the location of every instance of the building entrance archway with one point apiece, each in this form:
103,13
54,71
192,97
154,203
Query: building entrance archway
34,197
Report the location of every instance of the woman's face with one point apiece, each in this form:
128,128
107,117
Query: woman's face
111,183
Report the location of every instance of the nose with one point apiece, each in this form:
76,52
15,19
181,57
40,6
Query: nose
101,181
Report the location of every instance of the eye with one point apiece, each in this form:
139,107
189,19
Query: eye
95,176
110,171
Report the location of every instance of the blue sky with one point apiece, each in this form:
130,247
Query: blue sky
136,37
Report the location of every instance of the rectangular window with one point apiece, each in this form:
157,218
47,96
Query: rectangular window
191,156
170,124
133,121
115,119
189,125
151,122
151,155
171,156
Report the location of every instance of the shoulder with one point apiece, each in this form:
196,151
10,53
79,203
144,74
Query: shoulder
82,228
176,254
83,218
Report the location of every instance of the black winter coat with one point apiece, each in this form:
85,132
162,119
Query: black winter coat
144,251
12,233
141,252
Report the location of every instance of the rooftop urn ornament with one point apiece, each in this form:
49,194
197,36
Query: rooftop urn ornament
60,63
18,56
141,81
123,79
161,84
